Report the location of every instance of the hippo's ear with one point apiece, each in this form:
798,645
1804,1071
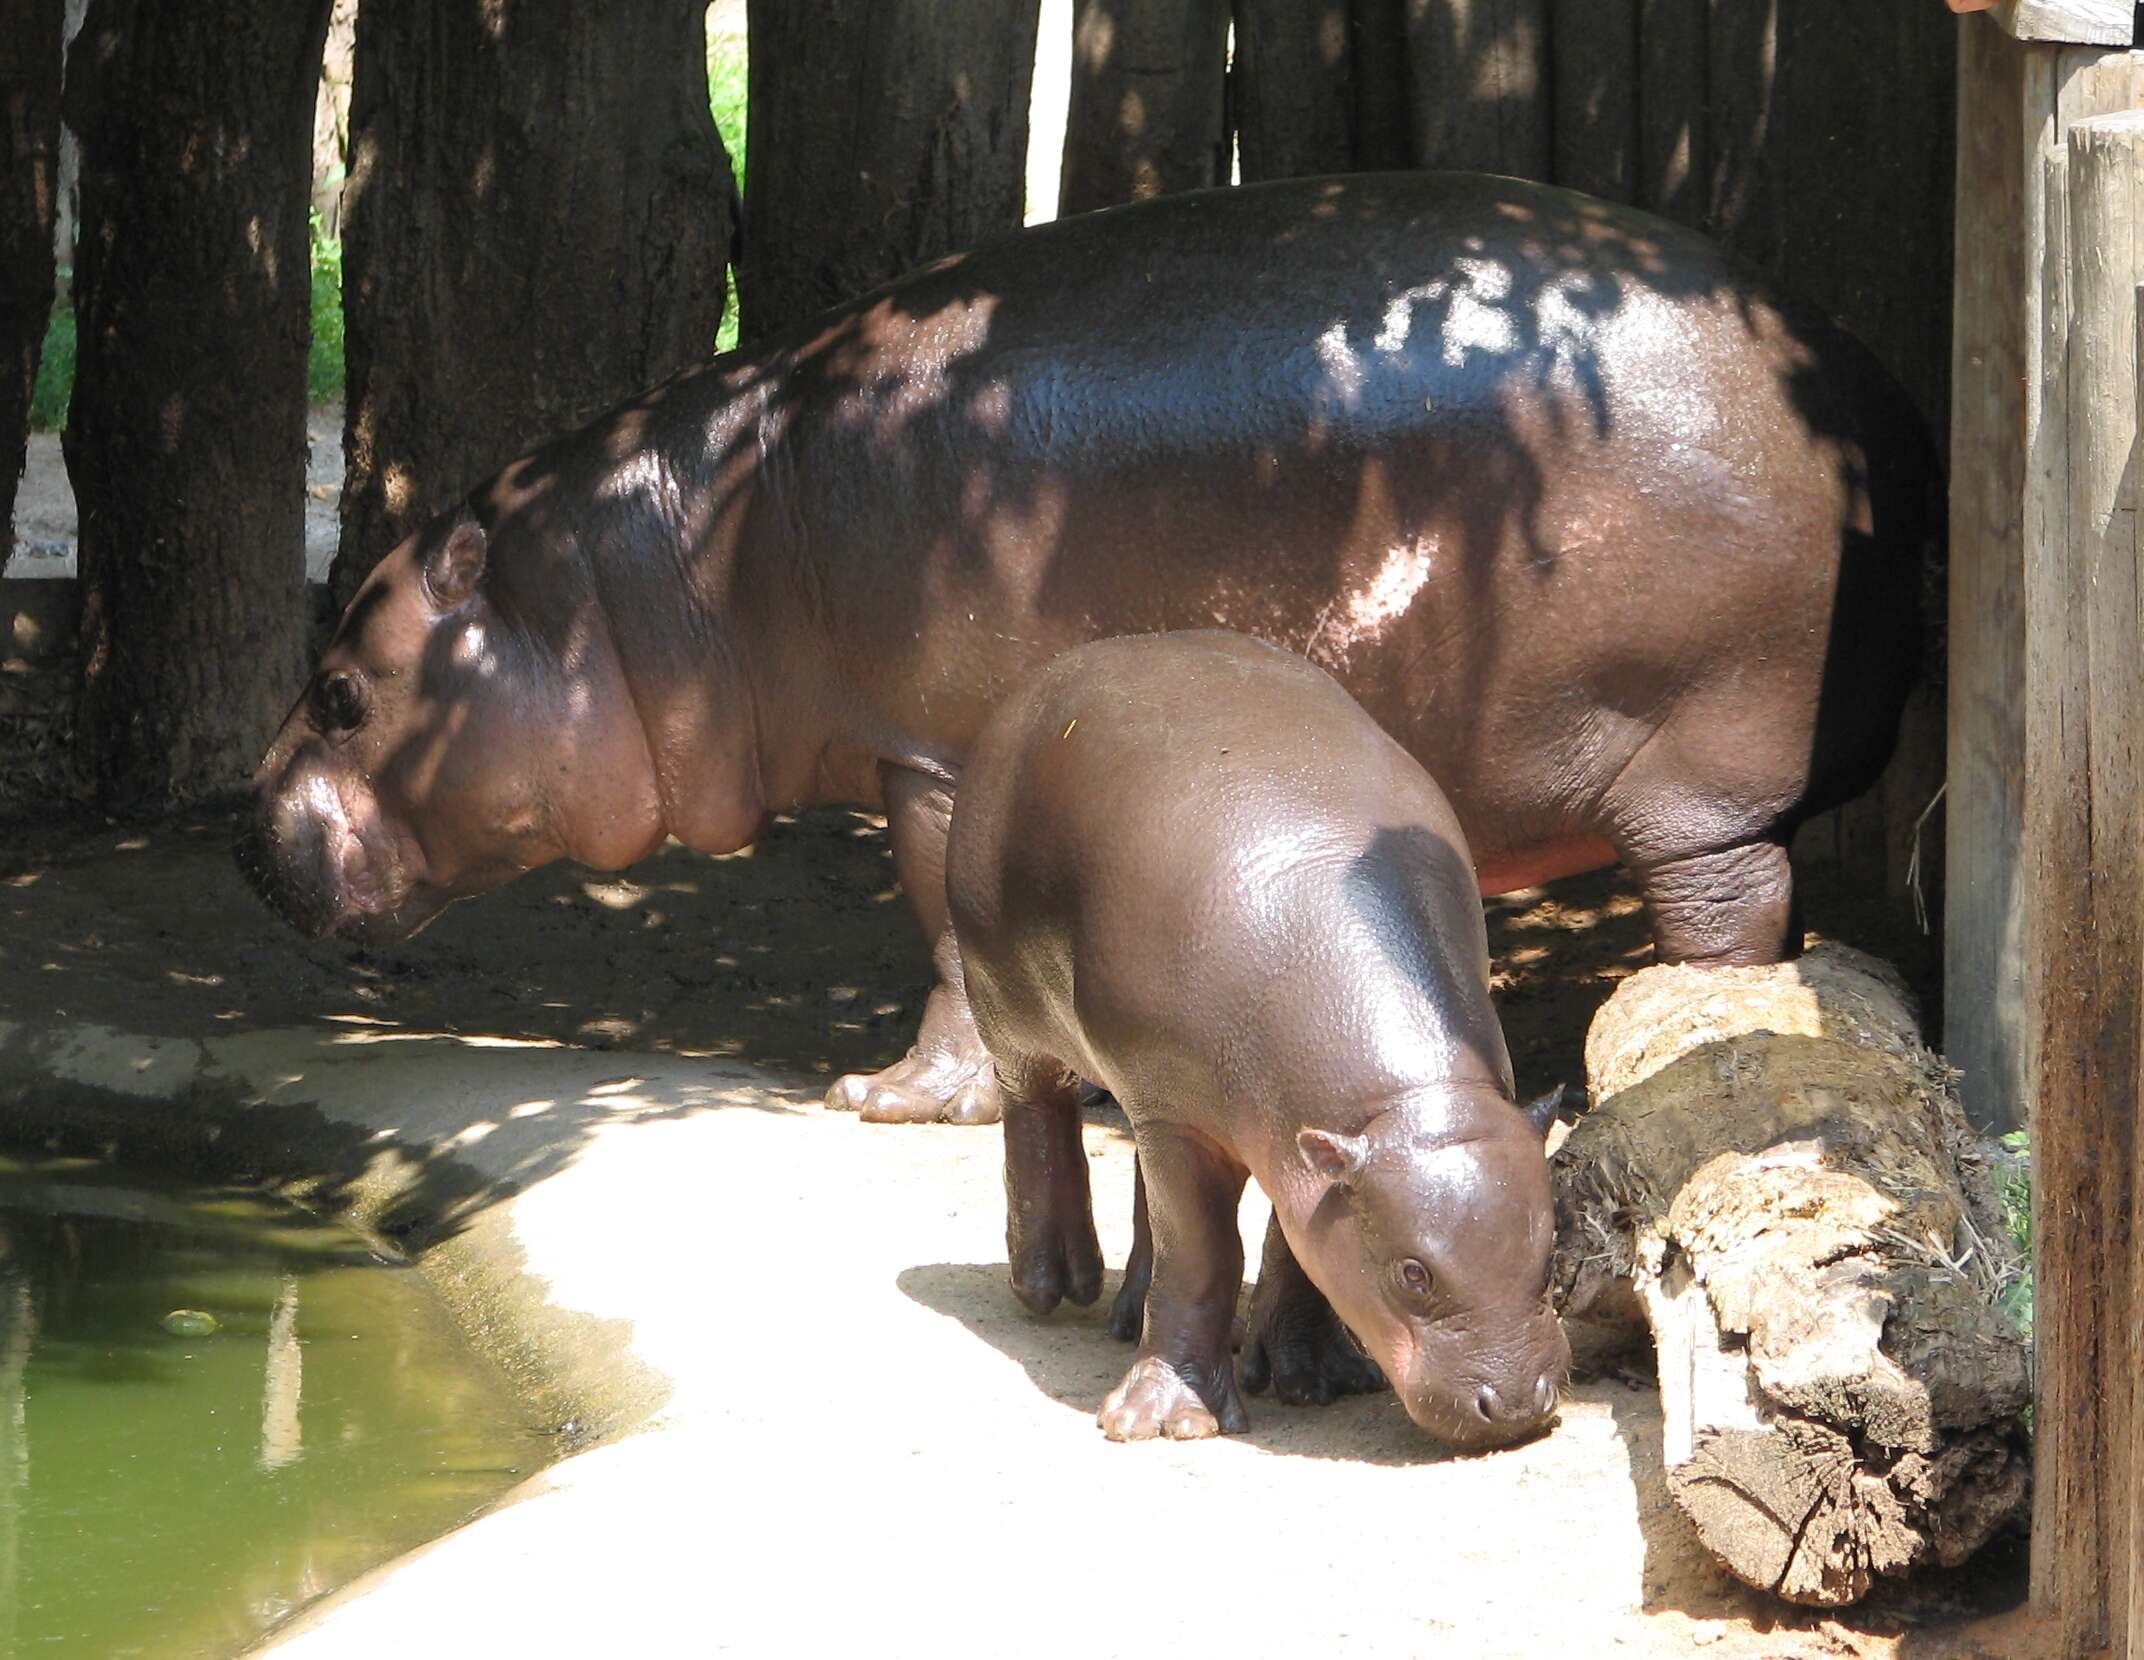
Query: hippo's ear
454,568
1338,1158
1543,1110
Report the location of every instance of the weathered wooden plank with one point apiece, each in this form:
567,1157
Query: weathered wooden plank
1292,88
2090,22
1674,159
2089,1133
1741,194
1996,295
1146,112
2013,102
1478,86
2068,1560
1378,64
2126,1346
1594,51
2089,82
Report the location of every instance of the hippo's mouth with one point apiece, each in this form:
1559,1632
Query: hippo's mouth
324,871
1470,1414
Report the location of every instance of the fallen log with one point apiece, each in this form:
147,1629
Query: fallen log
1777,1177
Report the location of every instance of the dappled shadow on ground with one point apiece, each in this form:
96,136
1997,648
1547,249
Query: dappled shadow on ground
799,958
527,1021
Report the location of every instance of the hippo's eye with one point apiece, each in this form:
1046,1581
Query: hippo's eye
1414,1277
338,705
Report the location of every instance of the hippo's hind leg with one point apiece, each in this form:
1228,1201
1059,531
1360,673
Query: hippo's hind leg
1723,907
1127,1313
1183,1384
1295,1341
1049,1208
947,1074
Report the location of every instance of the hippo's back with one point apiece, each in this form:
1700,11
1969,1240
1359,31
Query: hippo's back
1195,845
1547,483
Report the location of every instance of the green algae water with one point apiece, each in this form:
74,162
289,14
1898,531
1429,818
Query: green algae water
215,1408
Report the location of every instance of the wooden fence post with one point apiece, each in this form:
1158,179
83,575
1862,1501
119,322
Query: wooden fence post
2045,931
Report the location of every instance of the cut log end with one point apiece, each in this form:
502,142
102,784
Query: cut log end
1778,1175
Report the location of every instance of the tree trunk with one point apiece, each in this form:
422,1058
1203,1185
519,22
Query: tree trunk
186,437
29,185
883,134
1147,113
1782,1175
536,221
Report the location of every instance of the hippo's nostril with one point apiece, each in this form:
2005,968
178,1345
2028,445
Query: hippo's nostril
1488,1403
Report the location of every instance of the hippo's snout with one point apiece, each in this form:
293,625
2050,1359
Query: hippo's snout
1475,1408
325,868
1521,1411
282,850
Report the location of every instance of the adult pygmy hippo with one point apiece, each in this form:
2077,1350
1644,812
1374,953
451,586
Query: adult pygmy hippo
1626,553
1190,868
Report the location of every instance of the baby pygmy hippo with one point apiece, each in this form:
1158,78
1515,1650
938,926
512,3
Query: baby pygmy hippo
1190,868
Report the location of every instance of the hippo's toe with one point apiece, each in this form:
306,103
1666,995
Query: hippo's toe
921,1089
1157,1399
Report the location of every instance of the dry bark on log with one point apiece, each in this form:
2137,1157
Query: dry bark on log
1782,1175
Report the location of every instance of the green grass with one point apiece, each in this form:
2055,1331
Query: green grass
725,97
323,363
2013,1186
55,372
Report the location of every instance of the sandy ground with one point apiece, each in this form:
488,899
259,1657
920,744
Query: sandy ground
882,1358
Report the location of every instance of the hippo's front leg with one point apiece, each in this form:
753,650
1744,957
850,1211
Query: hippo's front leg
1293,1339
946,1075
1183,1385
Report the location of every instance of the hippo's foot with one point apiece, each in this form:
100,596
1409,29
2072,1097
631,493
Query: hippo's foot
1308,1362
1296,1343
1060,1265
1187,1404
948,1086
1049,1206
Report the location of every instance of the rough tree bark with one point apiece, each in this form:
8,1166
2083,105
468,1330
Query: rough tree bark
883,134
186,437
1782,1174
1147,113
29,184
536,221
